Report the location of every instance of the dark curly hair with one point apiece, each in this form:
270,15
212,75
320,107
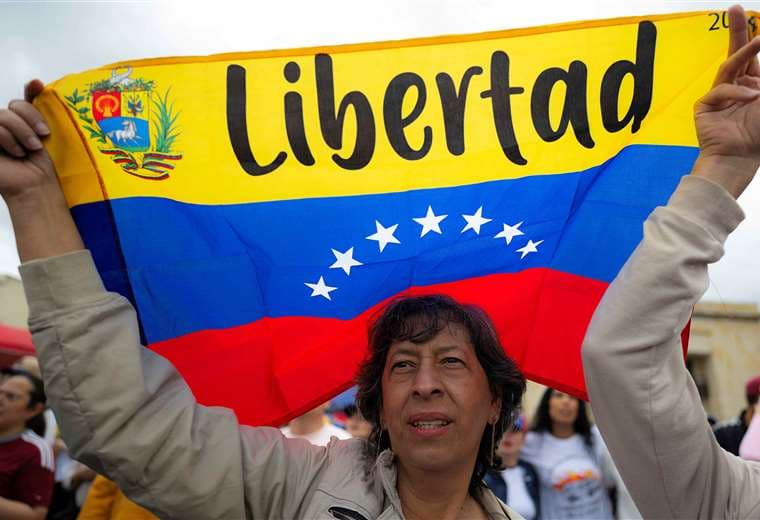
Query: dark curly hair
419,319
542,421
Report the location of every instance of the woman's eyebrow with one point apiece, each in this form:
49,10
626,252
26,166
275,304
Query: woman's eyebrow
447,348
405,351
414,352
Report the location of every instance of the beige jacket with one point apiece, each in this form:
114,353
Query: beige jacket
645,403
125,412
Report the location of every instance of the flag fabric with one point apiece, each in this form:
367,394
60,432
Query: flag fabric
259,208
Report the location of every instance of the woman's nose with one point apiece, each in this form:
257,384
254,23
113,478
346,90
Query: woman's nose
427,381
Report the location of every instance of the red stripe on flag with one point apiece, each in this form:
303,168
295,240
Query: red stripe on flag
312,359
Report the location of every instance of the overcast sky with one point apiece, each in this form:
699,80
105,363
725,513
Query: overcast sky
48,39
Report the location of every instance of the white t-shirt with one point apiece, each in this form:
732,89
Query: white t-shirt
574,478
518,497
51,427
320,437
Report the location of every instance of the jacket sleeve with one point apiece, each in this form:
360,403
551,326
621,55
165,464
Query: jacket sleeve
126,412
603,457
645,403
750,447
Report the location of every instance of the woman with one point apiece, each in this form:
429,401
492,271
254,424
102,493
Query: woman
573,465
437,388
425,390
516,481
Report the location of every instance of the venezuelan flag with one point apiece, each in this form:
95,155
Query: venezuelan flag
258,208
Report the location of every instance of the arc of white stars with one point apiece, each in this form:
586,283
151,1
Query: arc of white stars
475,220
345,260
430,222
320,288
530,247
510,232
384,235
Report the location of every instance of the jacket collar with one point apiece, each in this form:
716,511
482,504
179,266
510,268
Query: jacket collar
385,469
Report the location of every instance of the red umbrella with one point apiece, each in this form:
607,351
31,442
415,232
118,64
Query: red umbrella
14,343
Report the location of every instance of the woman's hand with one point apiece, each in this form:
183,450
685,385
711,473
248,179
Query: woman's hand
24,164
728,117
41,220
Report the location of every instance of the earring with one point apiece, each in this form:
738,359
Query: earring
493,447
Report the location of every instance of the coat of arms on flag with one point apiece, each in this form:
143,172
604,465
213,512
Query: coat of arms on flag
133,125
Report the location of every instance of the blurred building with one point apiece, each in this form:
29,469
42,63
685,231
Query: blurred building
724,352
13,310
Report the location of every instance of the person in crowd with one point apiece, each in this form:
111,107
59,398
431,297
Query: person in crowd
571,460
105,501
32,365
645,403
36,424
515,482
356,425
730,433
750,447
436,386
315,427
26,460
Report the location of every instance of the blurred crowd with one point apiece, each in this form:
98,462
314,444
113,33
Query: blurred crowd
554,464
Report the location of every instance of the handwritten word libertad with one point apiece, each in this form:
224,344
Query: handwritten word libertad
453,99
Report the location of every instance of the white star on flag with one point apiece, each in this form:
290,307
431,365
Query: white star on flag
530,247
384,235
430,222
345,260
510,232
475,220
320,288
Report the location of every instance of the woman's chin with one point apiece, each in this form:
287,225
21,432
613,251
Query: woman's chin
434,457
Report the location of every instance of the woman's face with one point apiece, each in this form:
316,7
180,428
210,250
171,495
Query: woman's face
563,408
436,402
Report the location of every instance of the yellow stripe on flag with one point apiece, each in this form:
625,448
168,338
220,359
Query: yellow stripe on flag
199,165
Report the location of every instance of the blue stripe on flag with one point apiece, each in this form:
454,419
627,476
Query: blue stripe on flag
195,267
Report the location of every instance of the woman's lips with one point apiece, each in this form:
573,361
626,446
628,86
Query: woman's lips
430,424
